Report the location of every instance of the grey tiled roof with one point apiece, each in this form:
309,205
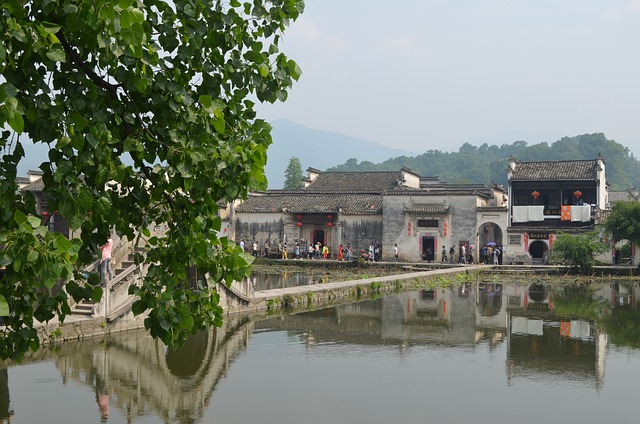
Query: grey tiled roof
554,230
556,170
373,182
493,208
301,202
623,196
443,190
37,185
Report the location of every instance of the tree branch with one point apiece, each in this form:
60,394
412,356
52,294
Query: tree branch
75,57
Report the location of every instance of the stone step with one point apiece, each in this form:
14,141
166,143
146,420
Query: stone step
83,308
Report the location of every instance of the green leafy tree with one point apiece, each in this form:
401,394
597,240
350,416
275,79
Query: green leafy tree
623,222
146,108
486,164
293,174
578,250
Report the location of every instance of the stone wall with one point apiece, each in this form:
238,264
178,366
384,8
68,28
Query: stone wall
360,232
261,228
401,228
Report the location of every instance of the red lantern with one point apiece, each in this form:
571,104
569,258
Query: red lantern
330,224
577,194
329,217
535,194
298,217
299,224
45,213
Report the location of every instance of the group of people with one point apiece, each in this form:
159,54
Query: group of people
464,255
300,250
374,253
490,254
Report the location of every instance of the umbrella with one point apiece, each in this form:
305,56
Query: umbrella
492,243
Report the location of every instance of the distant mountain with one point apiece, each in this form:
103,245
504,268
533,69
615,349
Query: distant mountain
318,149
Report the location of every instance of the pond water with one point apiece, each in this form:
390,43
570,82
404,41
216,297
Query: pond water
483,352
269,277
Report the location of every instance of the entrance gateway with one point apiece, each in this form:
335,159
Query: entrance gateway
428,248
538,246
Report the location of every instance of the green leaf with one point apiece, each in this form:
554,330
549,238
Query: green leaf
34,221
57,53
164,324
32,256
5,258
69,8
17,264
79,121
4,307
138,307
49,27
186,322
205,100
7,90
16,122
20,218
96,294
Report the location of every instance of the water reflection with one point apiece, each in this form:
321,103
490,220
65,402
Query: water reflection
6,413
547,333
264,280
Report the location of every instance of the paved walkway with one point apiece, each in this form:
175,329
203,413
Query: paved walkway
298,290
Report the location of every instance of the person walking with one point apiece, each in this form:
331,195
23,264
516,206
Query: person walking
395,252
285,255
348,252
325,252
310,252
105,260
340,253
444,255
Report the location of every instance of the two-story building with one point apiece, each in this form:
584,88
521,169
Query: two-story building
550,197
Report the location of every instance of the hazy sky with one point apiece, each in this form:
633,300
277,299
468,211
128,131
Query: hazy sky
433,74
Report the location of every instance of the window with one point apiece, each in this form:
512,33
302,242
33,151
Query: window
427,223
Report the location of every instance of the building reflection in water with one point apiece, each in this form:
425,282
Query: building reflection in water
538,326
524,318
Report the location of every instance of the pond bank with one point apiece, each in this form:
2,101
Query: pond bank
317,296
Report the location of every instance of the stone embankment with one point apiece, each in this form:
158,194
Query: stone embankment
306,297
290,299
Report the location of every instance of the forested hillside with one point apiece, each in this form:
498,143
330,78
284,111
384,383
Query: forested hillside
486,164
